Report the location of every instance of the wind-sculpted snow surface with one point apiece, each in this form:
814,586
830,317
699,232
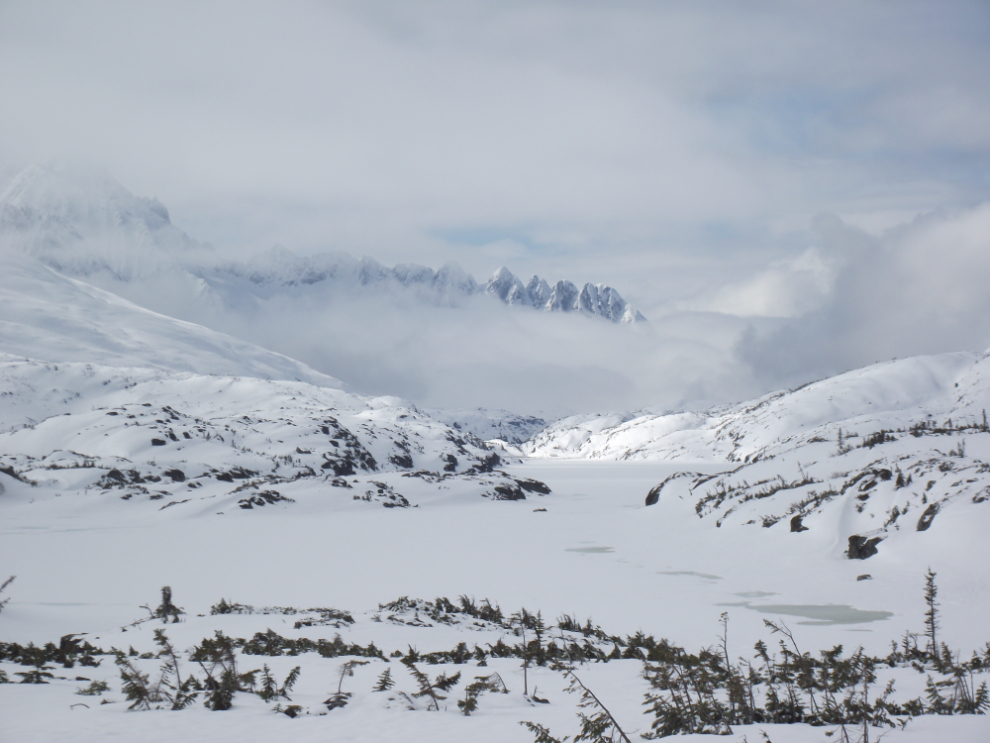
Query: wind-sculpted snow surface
210,444
861,455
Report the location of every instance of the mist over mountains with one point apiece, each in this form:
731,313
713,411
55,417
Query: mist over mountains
84,223
435,336
444,340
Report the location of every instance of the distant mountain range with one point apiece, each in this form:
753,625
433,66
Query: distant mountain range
85,224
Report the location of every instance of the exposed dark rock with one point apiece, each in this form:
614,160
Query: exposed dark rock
425,475
533,486
327,618
796,524
158,442
927,517
653,497
117,479
235,473
509,492
265,497
173,503
341,467
864,576
451,463
116,476
487,464
11,472
861,548
176,475
401,460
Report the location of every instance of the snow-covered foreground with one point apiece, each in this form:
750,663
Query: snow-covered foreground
596,551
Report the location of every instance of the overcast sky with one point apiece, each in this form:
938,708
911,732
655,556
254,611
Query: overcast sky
749,159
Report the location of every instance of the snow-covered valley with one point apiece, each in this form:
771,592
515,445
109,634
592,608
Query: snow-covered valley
301,523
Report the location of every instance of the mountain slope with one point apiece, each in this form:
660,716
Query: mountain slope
83,221
50,317
884,394
95,436
862,456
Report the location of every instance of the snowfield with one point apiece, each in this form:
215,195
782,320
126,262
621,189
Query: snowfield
90,549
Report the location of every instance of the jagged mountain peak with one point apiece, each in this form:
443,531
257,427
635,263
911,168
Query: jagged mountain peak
600,300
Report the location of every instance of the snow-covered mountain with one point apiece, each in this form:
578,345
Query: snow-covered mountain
82,222
564,296
432,335
122,396
100,435
49,317
488,425
852,455
85,224
280,270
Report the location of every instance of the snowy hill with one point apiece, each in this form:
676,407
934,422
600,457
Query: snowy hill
488,425
852,455
97,435
82,222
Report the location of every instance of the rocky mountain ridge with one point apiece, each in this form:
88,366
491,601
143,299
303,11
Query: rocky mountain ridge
593,299
83,223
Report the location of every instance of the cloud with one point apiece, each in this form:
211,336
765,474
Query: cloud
786,288
572,127
484,354
919,288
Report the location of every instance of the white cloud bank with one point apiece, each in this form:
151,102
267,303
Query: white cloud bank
919,288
